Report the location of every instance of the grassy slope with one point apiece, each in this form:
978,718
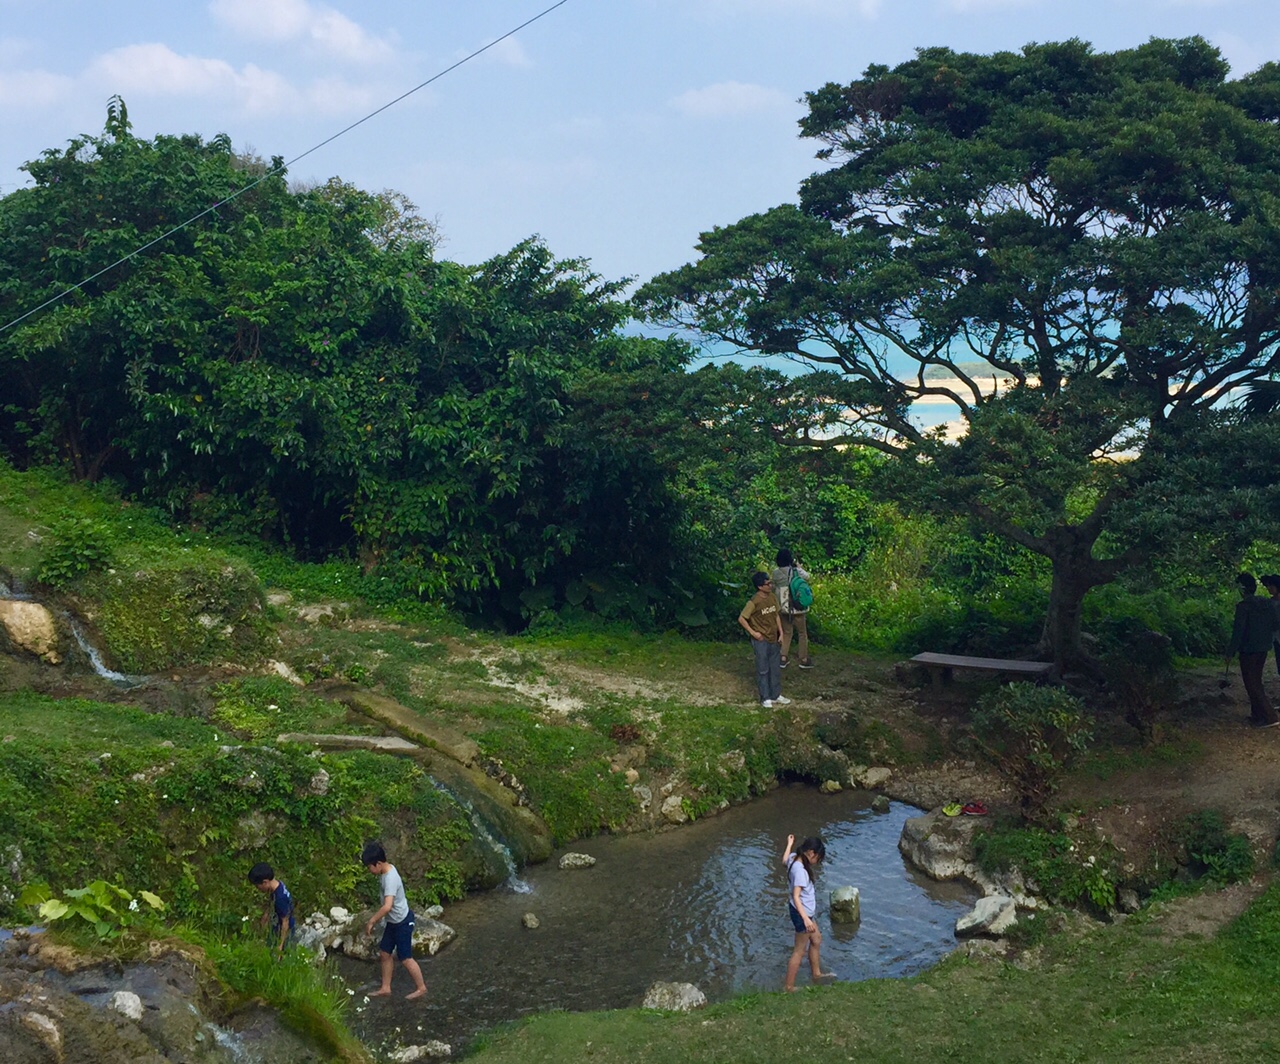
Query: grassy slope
1122,993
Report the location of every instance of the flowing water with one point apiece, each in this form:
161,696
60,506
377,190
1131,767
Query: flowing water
705,904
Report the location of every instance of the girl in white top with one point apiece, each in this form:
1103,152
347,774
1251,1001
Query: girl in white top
801,868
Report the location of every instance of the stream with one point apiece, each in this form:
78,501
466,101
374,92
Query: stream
705,904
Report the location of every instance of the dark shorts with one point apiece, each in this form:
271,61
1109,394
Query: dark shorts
398,938
797,921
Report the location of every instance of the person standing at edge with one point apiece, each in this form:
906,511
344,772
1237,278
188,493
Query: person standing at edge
795,618
1272,583
1252,634
397,935
760,620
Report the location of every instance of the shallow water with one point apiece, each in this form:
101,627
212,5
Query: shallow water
705,904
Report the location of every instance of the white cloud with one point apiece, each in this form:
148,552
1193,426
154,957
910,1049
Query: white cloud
730,99
300,20
157,70
510,52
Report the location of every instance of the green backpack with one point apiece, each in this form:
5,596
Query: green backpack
800,591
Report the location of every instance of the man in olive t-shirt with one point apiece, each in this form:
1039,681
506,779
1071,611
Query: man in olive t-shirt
760,620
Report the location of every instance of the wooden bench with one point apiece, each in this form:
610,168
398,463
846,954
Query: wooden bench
941,666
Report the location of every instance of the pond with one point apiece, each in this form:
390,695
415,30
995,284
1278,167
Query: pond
705,904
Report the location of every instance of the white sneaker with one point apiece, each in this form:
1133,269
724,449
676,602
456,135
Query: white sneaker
781,701
766,703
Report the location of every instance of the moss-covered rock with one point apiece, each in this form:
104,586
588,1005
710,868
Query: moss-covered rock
176,608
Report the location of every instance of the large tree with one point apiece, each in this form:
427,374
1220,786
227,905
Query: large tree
1079,251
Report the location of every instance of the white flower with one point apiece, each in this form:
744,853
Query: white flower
273,707
133,905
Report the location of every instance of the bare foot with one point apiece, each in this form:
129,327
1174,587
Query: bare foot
826,975
789,989
380,993
415,994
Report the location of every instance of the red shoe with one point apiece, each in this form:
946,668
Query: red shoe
974,809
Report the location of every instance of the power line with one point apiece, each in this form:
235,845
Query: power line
283,166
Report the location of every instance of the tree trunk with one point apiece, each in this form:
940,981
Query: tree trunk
1075,572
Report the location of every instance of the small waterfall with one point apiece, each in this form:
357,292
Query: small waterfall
95,657
513,881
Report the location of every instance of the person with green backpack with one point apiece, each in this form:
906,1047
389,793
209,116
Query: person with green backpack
795,596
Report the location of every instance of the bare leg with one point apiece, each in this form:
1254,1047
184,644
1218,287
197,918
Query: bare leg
420,987
815,943
793,962
388,966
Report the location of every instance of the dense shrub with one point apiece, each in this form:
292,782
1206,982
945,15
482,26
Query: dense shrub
1030,733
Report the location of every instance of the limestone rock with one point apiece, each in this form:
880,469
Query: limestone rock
30,627
869,778
530,921
632,776
429,936
941,846
846,905
434,911
319,784
993,915
45,1030
126,1003
281,669
830,787
673,811
571,861
674,997
1127,899
432,1050
644,796
880,804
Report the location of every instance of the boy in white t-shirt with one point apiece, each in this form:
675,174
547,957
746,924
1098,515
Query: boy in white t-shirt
397,935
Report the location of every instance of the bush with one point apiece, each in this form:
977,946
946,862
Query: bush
1214,853
77,545
1030,733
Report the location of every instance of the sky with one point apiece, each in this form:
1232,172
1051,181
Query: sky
617,130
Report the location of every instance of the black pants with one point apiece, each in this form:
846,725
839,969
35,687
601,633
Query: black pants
1260,707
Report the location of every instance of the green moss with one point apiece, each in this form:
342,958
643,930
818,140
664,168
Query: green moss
164,609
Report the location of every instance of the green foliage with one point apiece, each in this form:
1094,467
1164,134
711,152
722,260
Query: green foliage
1031,733
105,907
990,206
77,545
1215,853
1063,868
157,799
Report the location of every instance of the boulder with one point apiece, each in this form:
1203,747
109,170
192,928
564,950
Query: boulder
30,627
673,810
829,787
845,906
674,997
880,804
869,778
530,921
572,861
429,936
993,915
644,796
281,669
941,846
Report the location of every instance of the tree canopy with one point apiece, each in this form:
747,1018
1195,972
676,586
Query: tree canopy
300,364
1098,233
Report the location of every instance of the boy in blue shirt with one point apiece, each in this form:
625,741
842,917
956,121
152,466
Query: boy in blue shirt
280,911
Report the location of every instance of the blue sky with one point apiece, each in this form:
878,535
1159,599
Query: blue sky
616,129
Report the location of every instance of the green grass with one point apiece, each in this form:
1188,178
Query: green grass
1122,993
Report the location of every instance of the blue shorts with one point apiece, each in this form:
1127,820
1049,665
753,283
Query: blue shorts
797,921
398,938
